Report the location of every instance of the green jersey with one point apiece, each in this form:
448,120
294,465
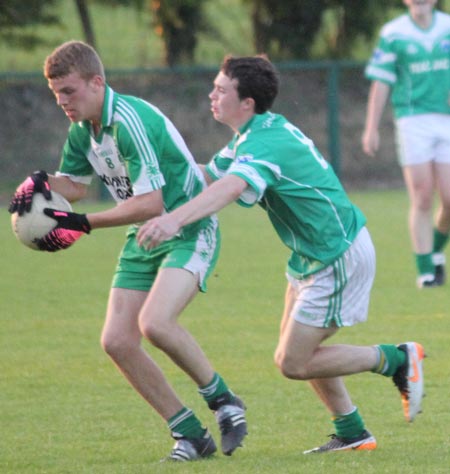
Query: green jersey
416,63
296,186
138,150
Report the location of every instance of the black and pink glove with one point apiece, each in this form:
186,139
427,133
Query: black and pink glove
23,197
71,226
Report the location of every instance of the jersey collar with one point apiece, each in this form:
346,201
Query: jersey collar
433,21
108,106
255,122
109,103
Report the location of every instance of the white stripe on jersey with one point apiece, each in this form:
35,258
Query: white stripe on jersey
110,106
381,74
327,199
133,123
178,141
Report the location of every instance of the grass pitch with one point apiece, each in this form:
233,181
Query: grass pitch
66,409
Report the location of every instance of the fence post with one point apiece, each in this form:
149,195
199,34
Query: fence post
334,149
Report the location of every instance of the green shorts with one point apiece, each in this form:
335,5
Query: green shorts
137,268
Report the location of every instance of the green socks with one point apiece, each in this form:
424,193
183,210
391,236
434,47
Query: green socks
439,241
214,389
390,358
424,263
186,424
350,425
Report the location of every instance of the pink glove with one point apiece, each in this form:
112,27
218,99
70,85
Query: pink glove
58,239
23,197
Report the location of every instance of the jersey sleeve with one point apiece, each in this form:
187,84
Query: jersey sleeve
74,162
220,162
382,64
140,158
259,171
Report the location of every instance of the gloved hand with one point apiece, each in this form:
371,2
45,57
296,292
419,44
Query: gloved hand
23,197
71,226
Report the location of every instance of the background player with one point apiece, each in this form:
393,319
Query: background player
271,162
413,60
146,166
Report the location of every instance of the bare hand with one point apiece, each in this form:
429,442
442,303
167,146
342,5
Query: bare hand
157,230
370,142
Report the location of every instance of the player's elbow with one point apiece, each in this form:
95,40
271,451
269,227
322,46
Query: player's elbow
81,193
71,190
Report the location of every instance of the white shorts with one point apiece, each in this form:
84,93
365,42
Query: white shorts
339,294
423,138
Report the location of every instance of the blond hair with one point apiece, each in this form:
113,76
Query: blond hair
73,56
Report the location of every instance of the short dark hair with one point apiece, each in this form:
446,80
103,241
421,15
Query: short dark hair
257,78
73,56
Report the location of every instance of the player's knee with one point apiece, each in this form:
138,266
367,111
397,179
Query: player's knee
423,202
117,347
155,332
150,331
289,367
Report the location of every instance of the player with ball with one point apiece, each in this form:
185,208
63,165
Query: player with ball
148,169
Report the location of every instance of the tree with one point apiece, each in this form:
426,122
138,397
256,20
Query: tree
15,15
354,20
286,29
289,29
85,18
86,23
178,22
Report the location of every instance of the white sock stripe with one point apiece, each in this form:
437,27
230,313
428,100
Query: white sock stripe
183,416
211,388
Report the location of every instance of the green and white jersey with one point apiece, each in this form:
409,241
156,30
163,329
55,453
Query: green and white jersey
138,150
416,63
296,186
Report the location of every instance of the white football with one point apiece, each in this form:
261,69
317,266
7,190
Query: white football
33,225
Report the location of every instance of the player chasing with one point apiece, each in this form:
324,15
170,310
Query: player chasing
330,272
147,168
412,59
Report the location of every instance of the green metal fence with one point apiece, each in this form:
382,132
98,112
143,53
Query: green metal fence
326,99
